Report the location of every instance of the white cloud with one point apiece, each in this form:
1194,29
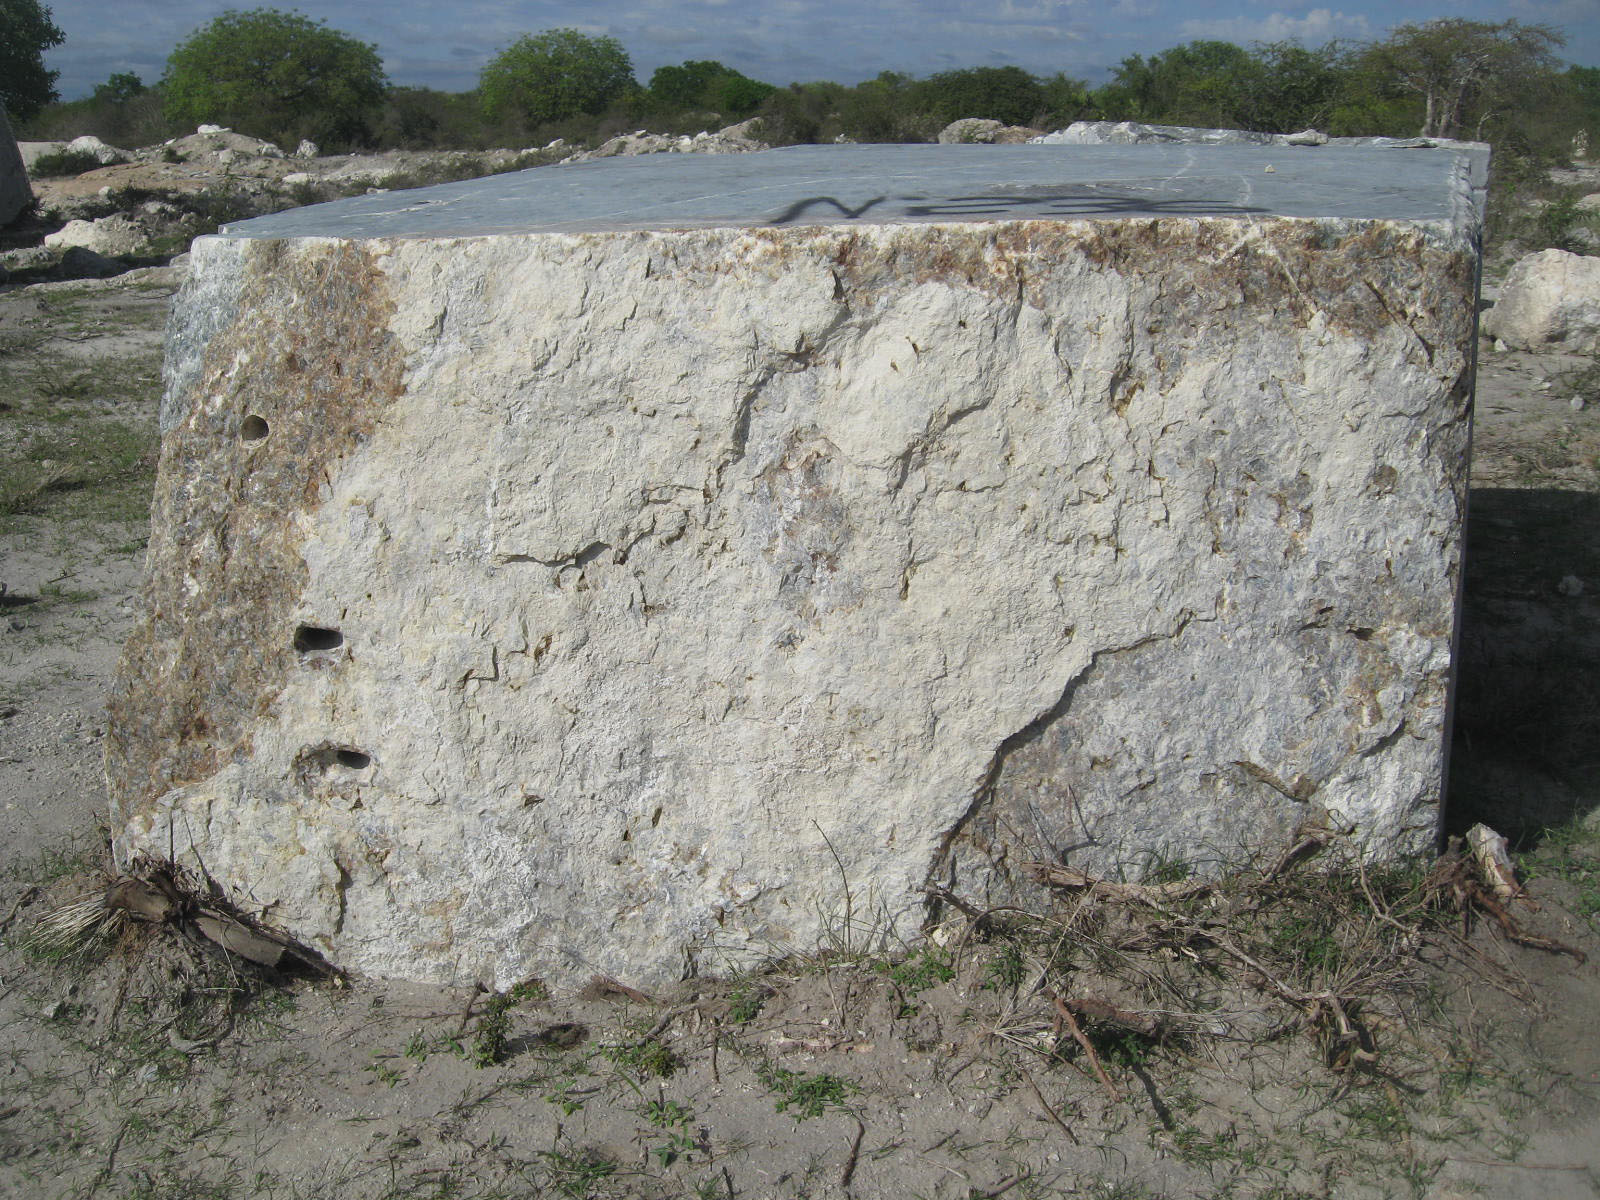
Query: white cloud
1318,25
984,30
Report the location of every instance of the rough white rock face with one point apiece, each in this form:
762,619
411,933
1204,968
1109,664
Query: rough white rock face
103,154
1549,299
111,235
1134,133
735,139
631,603
15,192
983,131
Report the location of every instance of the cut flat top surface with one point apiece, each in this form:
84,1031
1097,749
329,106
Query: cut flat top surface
890,184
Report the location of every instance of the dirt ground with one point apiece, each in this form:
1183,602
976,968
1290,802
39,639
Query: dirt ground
1449,1062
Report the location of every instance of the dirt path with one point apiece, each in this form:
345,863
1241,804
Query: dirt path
148,1067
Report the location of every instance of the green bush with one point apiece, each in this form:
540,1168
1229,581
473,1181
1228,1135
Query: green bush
554,75
799,113
60,163
705,86
279,76
1006,94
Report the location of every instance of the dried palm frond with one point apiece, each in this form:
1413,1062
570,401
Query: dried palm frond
70,929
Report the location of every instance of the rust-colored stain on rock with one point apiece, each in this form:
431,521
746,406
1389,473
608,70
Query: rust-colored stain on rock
294,387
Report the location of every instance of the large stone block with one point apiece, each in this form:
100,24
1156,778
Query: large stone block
622,569
15,192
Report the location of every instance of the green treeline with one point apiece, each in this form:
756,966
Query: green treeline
285,77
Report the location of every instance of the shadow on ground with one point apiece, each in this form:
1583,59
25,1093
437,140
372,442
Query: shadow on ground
1526,751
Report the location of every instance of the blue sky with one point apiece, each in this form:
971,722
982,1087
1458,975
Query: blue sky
426,43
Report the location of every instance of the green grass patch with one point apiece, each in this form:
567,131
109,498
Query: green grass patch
805,1095
71,449
59,164
1570,853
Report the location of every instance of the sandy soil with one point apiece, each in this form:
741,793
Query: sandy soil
149,1066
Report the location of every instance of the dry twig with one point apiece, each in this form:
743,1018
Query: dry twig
1078,1036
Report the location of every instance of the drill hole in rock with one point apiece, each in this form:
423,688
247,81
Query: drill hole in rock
253,429
331,770
311,639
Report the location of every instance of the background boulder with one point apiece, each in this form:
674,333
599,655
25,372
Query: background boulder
1549,300
113,235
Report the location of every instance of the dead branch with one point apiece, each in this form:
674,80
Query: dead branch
1311,840
1045,1104
1088,1047
853,1157
1103,1012
1455,883
29,895
1066,877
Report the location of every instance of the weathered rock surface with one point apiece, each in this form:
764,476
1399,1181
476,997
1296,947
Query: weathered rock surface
1549,299
111,235
983,131
15,193
542,584
1134,133
100,151
735,139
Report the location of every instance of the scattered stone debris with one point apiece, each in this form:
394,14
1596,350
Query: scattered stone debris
976,130
135,207
735,139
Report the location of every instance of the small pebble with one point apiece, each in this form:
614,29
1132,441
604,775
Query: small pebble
1499,346
1570,585
1577,403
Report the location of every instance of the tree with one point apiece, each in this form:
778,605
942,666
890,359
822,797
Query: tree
276,75
1466,73
884,109
1006,94
26,32
1296,88
706,85
686,85
736,95
800,113
554,75
1200,83
121,87
1065,100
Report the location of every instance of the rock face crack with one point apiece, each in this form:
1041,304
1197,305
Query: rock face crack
984,795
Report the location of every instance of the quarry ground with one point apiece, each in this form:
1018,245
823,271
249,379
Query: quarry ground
1294,1035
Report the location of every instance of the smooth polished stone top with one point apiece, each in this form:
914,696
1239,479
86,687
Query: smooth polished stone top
901,184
